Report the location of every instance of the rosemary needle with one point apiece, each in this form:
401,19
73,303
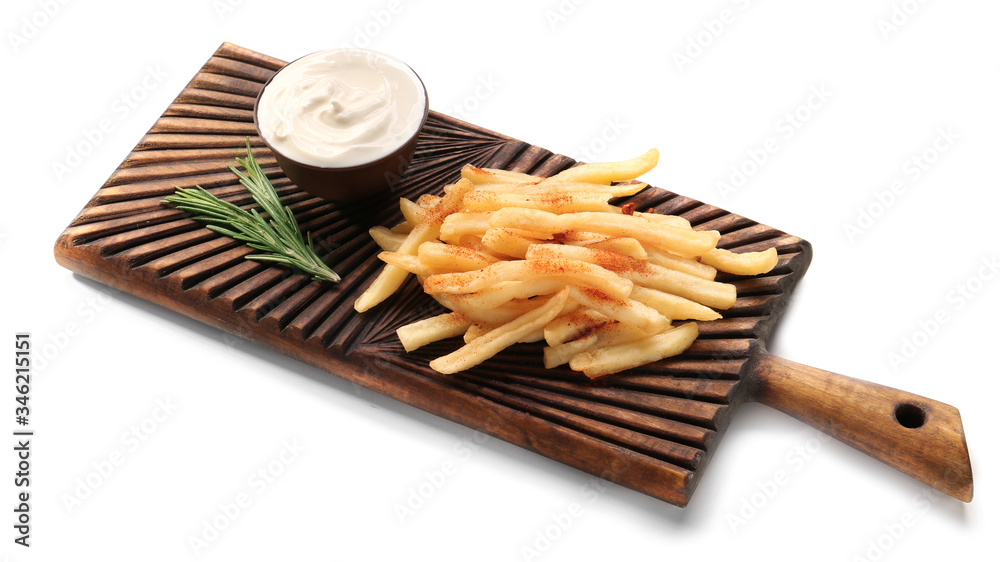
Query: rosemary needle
278,236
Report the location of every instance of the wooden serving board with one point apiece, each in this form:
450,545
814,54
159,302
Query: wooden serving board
652,429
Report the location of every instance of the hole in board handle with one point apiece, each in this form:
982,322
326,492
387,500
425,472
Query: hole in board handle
910,415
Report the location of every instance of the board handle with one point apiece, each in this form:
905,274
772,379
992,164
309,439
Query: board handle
918,436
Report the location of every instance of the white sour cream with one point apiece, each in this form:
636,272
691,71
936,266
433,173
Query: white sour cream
342,107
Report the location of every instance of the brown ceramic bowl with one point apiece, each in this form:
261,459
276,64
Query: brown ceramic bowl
347,183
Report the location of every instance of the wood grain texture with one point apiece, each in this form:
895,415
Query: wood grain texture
916,435
653,429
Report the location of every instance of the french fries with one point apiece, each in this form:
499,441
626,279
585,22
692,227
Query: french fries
750,263
495,341
412,212
568,270
569,187
457,225
677,263
507,291
572,326
407,263
626,246
508,242
487,176
672,306
429,330
392,277
453,258
626,311
608,334
386,239
623,356
610,171
690,243
553,202
709,293
521,258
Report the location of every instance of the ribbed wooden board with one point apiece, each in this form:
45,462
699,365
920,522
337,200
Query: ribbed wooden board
652,430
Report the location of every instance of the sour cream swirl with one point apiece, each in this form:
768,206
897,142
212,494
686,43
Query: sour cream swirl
341,108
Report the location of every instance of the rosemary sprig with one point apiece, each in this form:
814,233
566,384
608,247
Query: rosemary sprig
278,235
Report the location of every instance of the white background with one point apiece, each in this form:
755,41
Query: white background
607,77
